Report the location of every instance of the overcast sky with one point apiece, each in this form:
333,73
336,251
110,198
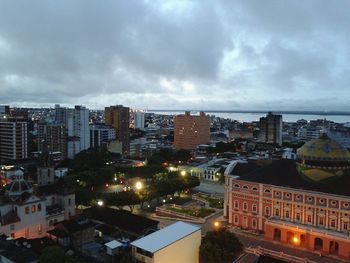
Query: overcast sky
203,54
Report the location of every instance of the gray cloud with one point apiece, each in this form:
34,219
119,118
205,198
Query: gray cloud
175,54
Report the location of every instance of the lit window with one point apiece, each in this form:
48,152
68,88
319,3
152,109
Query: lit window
33,208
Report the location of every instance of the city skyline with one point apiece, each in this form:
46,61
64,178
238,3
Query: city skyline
169,55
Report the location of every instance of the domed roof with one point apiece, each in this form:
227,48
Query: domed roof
323,149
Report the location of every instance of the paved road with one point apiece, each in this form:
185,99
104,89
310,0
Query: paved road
210,188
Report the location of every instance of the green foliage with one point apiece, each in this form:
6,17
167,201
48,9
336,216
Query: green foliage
201,212
221,147
146,172
92,159
220,246
52,254
169,155
129,198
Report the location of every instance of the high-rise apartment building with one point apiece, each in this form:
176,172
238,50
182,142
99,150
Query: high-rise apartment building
13,140
60,114
78,130
271,129
139,119
119,118
54,136
191,130
101,135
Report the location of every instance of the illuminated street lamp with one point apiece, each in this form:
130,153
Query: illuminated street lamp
183,173
216,224
138,185
100,203
295,240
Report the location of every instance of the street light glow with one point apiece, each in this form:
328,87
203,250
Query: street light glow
138,185
100,203
216,224
183,173
295,240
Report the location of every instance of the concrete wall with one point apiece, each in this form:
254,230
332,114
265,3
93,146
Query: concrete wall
184,250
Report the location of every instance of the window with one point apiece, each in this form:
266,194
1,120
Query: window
333,223
321,201
254,208
297,216
255,189
235,219
39,207
245,206
267,210
12,227
277,193
26,210
287,195
345,225
254,223
287,214
33,208
320,221
236,204
277,212
236,185
267,191
309,219
334,203
245,187
346,205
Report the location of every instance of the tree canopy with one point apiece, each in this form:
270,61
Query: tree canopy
220,246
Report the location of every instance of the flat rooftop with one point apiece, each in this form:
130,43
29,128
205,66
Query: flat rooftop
284,173
165,237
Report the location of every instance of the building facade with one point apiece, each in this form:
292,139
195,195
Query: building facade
119,118
54,136
191,130
285,201
101,135
271,129
13,140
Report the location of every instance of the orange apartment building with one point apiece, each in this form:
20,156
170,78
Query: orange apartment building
304,203
191,130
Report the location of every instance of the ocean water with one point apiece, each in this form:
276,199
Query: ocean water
249,117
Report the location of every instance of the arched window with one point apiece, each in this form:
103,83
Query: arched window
236,185
254,224
254,208
245,206
255,189
245,187
33,208
267,210
267,191
236,204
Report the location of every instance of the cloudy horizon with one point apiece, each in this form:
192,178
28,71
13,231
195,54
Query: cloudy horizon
153,54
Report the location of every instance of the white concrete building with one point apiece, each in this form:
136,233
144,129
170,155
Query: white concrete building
177,243
77,124
29,215
139,120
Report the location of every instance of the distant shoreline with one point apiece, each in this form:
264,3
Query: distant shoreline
324,113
